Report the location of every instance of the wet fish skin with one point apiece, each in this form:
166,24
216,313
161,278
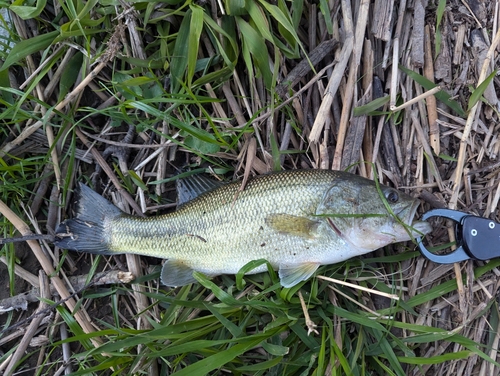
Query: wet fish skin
297,220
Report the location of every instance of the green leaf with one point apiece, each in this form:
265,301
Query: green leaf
254,46
75,327
228,48
435,359
327,18
260,366
371,107
5,82
191,347
248,267
204,366
129,92
179,60
135,81
388,352
195,28
70,74
275,152
26,12
477,94
222,295
283,21
219,75
493,322
27,47
439,16
199,133
137,180
441,95
280,17
276,350
235,7
201,146
285,33
152,89
260,20
447,157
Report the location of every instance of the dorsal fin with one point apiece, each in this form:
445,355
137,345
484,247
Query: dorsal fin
192,186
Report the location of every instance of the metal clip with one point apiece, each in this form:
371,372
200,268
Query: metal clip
477,238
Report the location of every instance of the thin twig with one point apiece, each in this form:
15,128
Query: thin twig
358,287
311,326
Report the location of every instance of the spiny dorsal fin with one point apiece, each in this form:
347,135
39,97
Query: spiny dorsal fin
192,186
292,225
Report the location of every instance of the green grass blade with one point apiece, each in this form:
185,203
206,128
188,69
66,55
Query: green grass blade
259,19
218,360
479,91
261,366
27,47
435,359
439,17
371,108
195,28
70,74
179,60
282,19
25,11
198,133
327,17
442,95
254,46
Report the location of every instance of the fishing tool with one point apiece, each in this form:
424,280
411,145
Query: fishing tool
477,238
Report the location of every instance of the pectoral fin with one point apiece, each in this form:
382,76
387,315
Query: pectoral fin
175,273
290,275
292,224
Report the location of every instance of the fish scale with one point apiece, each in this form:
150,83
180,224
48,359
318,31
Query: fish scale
288,218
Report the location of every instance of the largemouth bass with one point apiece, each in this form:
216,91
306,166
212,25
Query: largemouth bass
296,220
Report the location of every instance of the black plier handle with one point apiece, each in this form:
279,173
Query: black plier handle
477,238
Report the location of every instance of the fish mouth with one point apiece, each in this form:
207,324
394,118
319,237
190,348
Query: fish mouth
418,228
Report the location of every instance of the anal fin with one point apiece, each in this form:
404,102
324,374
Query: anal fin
175,273
290,275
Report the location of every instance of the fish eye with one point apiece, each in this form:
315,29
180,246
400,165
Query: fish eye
392,196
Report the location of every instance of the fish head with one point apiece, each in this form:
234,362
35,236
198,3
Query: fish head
368,216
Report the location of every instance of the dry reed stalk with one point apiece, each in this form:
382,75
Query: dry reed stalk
345,116
49,270
334,82
431,100
33,327
468,127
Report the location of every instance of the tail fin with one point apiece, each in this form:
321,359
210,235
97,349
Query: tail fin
88,231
